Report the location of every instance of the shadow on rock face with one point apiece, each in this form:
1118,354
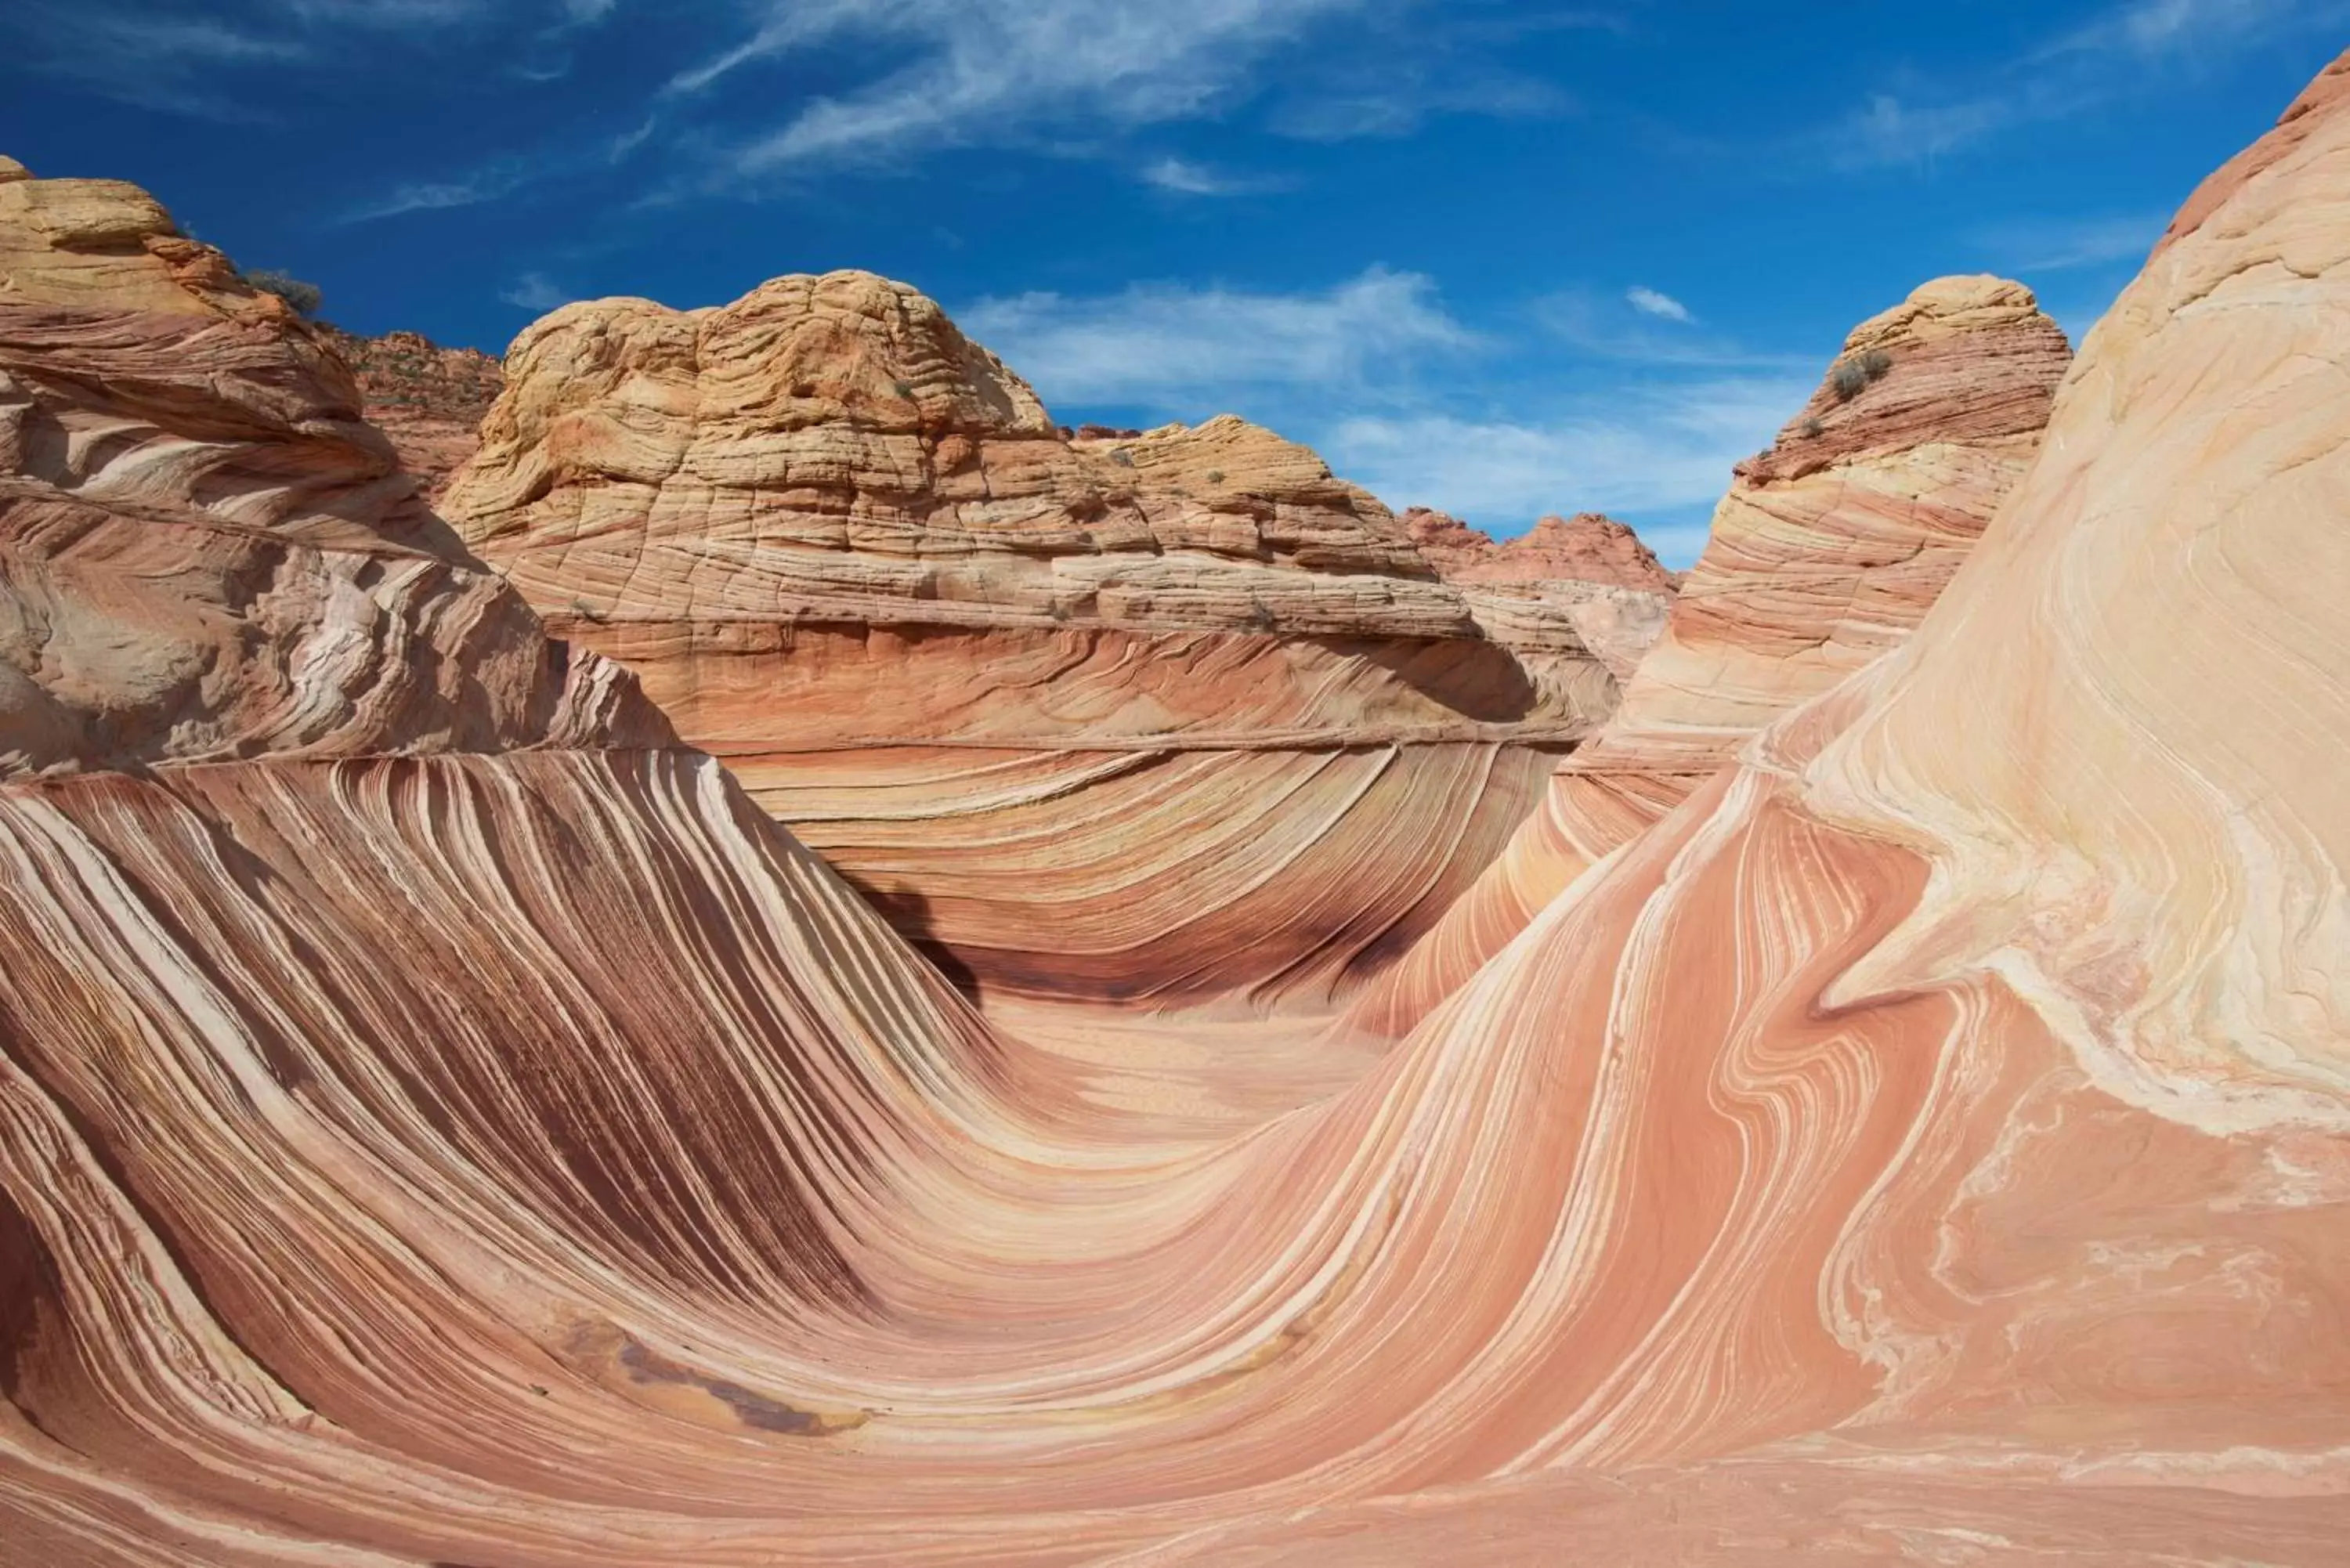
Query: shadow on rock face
908,911
1480,680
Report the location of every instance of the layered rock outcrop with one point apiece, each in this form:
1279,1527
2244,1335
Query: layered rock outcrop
1928,1141
205,553
1585,582
429,400
1824,554
831,449
995,671
1588,548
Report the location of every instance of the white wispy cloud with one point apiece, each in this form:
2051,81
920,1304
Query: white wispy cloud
1652,302
2057,245
1397,94
1654,451
2125,49
536,291
435,195
1185,177
1176,348
152,54
498,179
1888,130
1607,326
996,70
1407,63
2153,27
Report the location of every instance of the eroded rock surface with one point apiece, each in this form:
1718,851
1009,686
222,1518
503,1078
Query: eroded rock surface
429,400
991,669
1928,1141
205,552
1824,554
1588,548
1584,582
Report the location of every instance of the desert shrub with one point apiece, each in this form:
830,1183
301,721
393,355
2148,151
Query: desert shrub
1122,457
1812,427
304,297
1851,375
1215,476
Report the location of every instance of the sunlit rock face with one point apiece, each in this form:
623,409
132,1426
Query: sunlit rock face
206,554
1825,553
1587,575
1927,1140
1121,716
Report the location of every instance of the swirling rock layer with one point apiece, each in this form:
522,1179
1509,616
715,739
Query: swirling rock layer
843,545
1930,1141
205,553
1827,552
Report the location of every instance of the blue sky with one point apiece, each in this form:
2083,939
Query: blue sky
1499,258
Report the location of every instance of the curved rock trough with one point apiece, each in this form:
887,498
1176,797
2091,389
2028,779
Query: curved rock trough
1887,1101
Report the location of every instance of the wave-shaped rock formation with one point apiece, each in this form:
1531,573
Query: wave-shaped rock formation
1113,716
1827,552
1928,1141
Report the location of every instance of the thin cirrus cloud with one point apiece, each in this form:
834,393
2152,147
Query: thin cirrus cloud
1396,96
152,54
433,195
990,71
1184,178
2060,245
1177,350
2120,50
1641,328
500,178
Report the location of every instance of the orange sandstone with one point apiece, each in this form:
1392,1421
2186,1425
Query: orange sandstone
1927,1139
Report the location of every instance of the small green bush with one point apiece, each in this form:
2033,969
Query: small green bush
1811,428
1215,476
304,297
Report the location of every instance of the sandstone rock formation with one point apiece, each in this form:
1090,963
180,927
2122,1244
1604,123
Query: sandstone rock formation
1927,1142
1588,548
998,674
831,448
428,399
1824,554
204,553
1587,581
